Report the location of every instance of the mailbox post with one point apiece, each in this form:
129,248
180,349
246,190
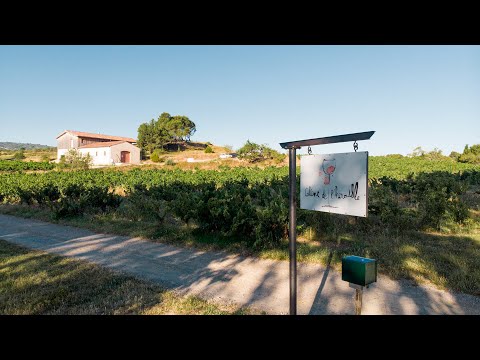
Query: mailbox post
292,146
359,272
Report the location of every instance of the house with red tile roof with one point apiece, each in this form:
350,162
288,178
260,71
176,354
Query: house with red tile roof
104,149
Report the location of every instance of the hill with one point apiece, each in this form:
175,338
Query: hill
17,146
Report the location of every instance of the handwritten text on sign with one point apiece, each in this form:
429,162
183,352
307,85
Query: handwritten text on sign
335,183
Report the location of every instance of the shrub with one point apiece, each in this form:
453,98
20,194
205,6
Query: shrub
155,156
142,204
437,197
45,158
19,155
384,204
75,160
271,223
256,153
208,150
169,162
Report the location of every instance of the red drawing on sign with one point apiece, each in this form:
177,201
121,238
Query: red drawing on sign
328,167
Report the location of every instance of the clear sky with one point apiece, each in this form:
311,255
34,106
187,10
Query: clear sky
411,95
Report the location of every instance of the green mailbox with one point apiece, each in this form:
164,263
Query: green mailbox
358,270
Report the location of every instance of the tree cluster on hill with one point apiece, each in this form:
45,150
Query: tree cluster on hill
255,153
435,154
165,130
470,155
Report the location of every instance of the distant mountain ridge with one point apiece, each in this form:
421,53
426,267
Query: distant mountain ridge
17,146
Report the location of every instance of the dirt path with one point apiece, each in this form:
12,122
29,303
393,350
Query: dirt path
261,284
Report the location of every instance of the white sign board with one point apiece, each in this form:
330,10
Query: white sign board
335,183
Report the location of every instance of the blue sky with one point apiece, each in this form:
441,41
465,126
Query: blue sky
411,95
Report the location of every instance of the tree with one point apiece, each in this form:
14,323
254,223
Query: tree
470,154
166,129
454,155
418,151
255,153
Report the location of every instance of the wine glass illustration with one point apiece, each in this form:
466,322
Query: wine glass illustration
328,167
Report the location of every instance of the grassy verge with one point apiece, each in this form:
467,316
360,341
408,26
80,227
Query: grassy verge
35,282
447,261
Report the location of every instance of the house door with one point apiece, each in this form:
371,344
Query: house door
125,156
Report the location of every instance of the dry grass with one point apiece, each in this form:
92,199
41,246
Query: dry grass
210,161
35,282
30,155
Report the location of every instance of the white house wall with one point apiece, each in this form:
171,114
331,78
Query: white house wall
61,152
100,156
134,152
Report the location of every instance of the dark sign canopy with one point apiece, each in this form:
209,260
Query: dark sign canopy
328,140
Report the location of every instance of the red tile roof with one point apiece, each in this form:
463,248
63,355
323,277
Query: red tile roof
97,136
102,144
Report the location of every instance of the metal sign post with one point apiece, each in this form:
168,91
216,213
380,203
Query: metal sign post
292,147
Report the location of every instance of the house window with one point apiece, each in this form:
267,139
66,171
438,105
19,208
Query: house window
83,141
96,153
104,153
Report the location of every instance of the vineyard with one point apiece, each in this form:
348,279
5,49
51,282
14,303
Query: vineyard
250,203
401,167
12,165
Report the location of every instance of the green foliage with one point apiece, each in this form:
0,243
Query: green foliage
10,165
144,205
155,157
430,200
45,158
19,155
271,223
454,155
169,162
418,151
166,129
438,199
208,150
471,155
78,198
435,154
73,159
384,204
256,153
400,168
